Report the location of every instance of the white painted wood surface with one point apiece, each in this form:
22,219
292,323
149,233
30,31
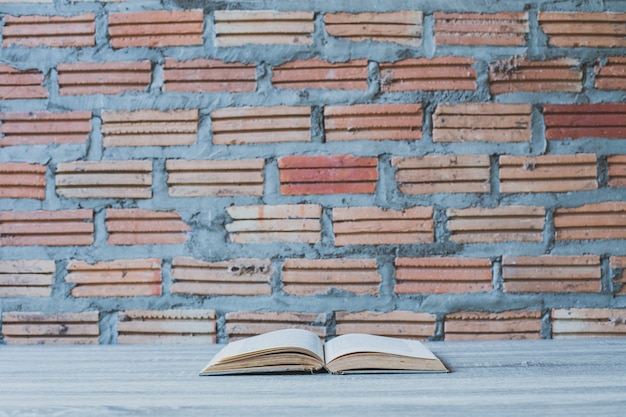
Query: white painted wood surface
500,378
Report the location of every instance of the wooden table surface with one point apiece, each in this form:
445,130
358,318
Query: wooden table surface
499,378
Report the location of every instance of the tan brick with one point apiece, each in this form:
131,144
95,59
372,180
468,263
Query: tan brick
119,278
442,275
588,322
584,29
518,324
306,277
53,31
245,277
441,73
400,324
244,27
404,27
574,121
156,28
22,180
617,170
519,74
482,122
242,324
47,228
26,328
591,222
246,125
21,84
376,226
618,266
611,74
149,128
26,278
42,128
318,74
86,78
208,76
443,174
544,274
501,224
145,227
496,29
166,327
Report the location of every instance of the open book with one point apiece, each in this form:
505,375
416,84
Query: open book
293,350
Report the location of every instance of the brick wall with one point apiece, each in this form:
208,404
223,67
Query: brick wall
196,171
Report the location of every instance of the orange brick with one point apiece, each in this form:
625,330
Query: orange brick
22,180
319,276
242,324
522,324
315,73
149,128
442,275
332,174
104,179
120,278
208,76
376,226
145,227
47,228
518,74
617,170
497,29
543,274
85,78
298,223
482,122
400,324
26,328
588,322
243,277
244,27
574,121
618,266
53,31
156,28
591,222
373,122
246,125
580,29
166,327
501,224
21,84
403,27
441,73
548,173
26,278
611,75
42,128
443,174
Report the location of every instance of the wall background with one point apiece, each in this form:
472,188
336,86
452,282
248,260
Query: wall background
198,171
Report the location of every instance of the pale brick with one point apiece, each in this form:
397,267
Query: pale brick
588,322
145,227
26,328
495,29
47,228
404,27
242,324
611,74
266,27
26,278
584,29
618,266
519,324
166,327
399,324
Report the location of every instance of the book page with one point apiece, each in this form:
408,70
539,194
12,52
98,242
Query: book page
362,343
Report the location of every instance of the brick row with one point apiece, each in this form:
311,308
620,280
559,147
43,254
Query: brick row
87,78
317,74
617,170
26,278
34,328
244,27
22,180
496,29
577,29
47,228
585,322
21,84
400,324
404,28
618,266
443,73
52,31
611,74
575,121
166,326
442,275
41,128
515,324
242,324
145,227
591,221
519,74
208,76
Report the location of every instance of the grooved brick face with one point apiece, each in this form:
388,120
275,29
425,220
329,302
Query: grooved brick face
404,27
518,74
22,180
166,326
588,322
575,121
208,76
109,78
26,278
318,74
611,75
497,29
42,128
21,84
242,324
47,228
245,27
523,324
580,29
442,73
442,275
618,266
400,324
53,31
617,170
591,222
34,328
145,227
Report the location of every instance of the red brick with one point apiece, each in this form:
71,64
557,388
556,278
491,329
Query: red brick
85,78
399,324
522,324
42,128
581,29
442,73
611,75
497,29
166,327
26,278
373,122
574,121
246,125
443,174
149,128
245,277
617,170
548,173
21,84
315,73
482,122
120,278
104,179
298,223
215,177
591,222
332,174
208,76
518,74
53,31
242,324
145,227
618,266
403,27
245,27
588,322
306,277
501,224
26,328
22,180
442,275
376,226
544,274
47,228
156,28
